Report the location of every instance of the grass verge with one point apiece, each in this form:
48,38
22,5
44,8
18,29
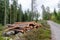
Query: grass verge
42,33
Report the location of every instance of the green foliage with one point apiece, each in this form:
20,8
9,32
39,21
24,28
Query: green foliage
46,13
1,31
55,12
2,8
20,14
1,28
13,11
26,16
56,16
10,13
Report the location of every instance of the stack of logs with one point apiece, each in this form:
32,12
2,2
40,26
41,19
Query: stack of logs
22,26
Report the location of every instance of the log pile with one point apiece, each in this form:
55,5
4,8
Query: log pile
22,26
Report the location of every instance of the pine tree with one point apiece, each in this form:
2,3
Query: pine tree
14,10
26,16
48,15
7,11
37,16
2,11
20,12
12,14
55,13
43,12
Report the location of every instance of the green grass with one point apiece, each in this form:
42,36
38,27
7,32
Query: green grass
1,30
57,21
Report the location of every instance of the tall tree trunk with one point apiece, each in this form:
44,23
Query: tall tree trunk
5,15
10,15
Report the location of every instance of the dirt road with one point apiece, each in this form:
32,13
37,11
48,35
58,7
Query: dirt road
55,30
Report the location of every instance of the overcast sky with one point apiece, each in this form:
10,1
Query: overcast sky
26,4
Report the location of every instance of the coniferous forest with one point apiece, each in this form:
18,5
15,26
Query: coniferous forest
11,11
